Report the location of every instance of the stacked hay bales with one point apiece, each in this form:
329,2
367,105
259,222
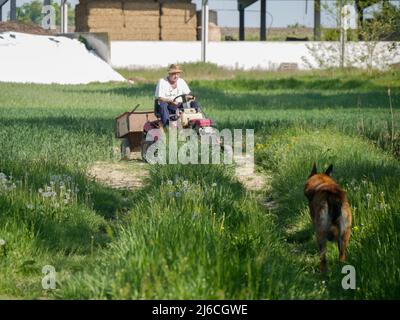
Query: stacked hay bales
138,19
99,16
214,32
141,20
178,21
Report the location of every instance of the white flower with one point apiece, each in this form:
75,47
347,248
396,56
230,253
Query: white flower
40,190
169,182
214,184
178,194
2,242
29,206
3,176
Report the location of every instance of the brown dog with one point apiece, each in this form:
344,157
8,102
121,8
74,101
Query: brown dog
330,212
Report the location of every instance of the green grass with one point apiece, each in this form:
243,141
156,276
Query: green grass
194,231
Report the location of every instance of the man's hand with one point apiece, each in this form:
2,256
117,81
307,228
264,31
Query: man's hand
174,103
189,97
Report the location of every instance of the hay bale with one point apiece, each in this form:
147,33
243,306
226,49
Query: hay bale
175,9
151,20
178,37
141,8
104,8
214,32
134,36
181,19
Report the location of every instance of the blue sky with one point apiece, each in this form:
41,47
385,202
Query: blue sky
280,12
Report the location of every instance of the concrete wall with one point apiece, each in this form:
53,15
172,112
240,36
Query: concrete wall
247,54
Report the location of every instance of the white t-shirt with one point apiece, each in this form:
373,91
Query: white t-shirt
165,90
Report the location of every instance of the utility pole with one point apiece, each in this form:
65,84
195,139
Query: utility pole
204,30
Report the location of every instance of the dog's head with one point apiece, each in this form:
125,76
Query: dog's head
316,179
328,171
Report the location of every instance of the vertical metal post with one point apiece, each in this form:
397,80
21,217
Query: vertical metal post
241,22
263,20
64,16
317,20
204,30
13,10
342,40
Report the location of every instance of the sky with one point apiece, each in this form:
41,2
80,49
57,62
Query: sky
280,13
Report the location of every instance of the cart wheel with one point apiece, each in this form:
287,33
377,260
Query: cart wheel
125,149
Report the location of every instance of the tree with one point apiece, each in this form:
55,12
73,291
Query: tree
383,25
32,12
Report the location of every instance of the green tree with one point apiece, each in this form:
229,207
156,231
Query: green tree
32,12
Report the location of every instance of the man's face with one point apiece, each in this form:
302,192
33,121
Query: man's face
173,77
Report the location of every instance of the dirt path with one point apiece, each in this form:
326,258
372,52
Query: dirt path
120,175
254,181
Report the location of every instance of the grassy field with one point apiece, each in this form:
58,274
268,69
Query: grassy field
195,231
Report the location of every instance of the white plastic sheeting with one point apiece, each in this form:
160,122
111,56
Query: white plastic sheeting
31,58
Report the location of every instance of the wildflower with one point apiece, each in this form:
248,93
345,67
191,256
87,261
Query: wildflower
214,184
356,229
29,206
178,194
368,195
2,242
169,182
40,190
185,183
3,176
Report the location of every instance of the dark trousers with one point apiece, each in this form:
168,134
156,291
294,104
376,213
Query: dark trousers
165,109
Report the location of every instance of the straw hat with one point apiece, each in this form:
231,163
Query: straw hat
174,68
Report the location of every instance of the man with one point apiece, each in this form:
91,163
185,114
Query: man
167,89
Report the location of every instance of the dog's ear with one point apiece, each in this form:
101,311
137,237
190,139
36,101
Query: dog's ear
329,170
314,170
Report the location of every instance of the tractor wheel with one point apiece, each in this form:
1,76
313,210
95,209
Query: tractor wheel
144,146
125,149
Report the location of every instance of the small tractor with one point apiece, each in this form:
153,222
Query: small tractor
140,129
